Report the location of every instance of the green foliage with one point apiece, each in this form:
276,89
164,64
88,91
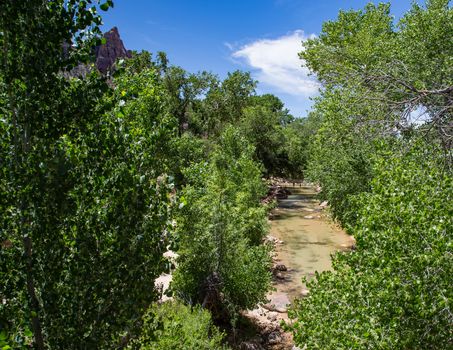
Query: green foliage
223,102
88,174
387,180
204,106
183,153
276,136
395,71
424,41
182,92
357,40
394,292
262,128
173,325
219,227
346,50
85,202
374,82
98,202
299,136
340,154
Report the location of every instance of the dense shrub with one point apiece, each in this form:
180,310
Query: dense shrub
173,325
394,291
219,229
340,157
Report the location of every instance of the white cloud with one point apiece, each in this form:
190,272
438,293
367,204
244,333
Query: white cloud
277,64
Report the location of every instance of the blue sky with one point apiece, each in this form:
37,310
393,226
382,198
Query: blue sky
260,36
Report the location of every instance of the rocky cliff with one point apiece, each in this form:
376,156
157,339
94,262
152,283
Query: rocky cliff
107,54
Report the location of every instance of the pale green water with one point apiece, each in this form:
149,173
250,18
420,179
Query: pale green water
309,240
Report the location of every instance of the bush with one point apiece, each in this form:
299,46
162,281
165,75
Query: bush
340,155
219,229
173,325
395,291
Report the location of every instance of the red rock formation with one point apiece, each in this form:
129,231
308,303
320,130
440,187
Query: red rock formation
107,54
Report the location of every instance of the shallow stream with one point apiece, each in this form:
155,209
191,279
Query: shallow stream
308,239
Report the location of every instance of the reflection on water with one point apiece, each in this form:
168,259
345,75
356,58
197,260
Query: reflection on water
309,240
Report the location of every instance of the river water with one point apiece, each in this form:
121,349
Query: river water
308,239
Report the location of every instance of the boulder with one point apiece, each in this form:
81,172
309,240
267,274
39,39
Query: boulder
280,267
279,276
274,338
272,307
250,345
272,316
171,255
273,240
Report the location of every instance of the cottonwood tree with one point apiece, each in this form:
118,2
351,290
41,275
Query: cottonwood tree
84,198
404,69
388,182
219,229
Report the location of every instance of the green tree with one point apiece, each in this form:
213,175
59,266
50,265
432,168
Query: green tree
263,130
33,36
394,292
340,152
299,139
397,70
220,226
225,101
268,126
84,195
183,93
373,88
386,178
